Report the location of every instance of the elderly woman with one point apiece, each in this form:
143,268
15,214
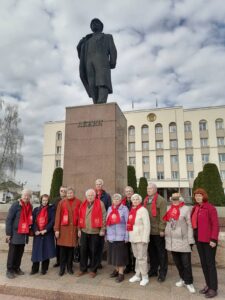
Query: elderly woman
138,226
18,223
206,230
117,237
179,239
44,241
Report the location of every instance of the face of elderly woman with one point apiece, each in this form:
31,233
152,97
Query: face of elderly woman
135,201
116,201
198,198
90,196
26,197
70,194
44,201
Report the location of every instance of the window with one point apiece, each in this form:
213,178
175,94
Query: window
205,158
220,141
145,160
219,124
158,128
58,149
159,144
189,158
190,174
131,147
202,125
188,143
144,146
132,161
204,142
58,163
160,175
175,174
222,174
221,157
159,159
59,135
187,126
146,175
174,159
173,127
144,129
131,131
173,143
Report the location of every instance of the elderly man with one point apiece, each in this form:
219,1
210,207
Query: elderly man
66,222
18,223
157,207
91,227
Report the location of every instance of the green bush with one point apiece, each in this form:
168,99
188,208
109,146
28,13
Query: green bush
142,187
132,180
57,179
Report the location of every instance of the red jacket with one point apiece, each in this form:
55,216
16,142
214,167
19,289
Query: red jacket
208,224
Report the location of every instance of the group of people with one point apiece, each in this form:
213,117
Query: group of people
138,233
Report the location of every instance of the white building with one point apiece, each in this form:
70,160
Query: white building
168,146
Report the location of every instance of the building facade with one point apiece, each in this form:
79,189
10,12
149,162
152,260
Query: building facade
168,146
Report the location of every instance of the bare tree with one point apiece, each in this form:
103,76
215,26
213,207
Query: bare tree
11,139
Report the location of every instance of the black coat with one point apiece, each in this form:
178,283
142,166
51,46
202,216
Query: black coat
12,222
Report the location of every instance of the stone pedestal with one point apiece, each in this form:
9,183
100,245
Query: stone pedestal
95,147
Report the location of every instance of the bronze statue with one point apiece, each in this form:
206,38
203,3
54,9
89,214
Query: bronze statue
97,54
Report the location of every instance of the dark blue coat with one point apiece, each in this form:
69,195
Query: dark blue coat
44,245
106,199
11,225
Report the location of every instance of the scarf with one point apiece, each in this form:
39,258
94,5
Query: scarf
114,216
42,218
154,210
96,214
132,217
26,218
194,217
173,212
70,208
98,194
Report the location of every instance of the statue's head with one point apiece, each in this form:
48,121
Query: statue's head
96,25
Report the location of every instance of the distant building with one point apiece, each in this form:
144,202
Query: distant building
168,146
9,191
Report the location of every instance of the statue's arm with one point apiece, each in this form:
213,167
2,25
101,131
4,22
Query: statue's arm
112,52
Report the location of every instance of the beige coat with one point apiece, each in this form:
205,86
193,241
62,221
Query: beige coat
181,237
141,228
88,229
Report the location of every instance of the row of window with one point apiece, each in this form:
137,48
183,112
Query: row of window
173,127
174,159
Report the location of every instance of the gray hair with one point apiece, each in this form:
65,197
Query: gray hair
90,190
26,191
70,189
151,184
99,179
117,196
129,187
136,196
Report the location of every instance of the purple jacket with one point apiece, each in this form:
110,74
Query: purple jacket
118,232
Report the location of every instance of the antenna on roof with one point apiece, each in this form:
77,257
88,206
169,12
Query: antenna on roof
156,102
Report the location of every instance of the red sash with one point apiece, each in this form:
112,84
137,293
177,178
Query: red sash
114,216
96,214
132,217
173,212
42,218
194,217
154,210
98,194
74,209
26,218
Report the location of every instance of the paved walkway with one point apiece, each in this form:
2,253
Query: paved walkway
67,287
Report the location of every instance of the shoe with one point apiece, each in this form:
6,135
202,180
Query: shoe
152,274
92,274
33,272
135,278
70,271
10,275
19,272
144,280
191,288
180,283
62,272
56,265
204,290
43,272
127,270
81,273
161,278
100,266
120,278
211,293
114,274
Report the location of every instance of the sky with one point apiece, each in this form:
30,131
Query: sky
172,51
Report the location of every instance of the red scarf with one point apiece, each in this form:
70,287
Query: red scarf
98,194
26,218
96,214
173,212
70,206
114,216
154,210
132,217
42,218
194,217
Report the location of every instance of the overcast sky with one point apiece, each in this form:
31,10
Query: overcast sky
168,50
